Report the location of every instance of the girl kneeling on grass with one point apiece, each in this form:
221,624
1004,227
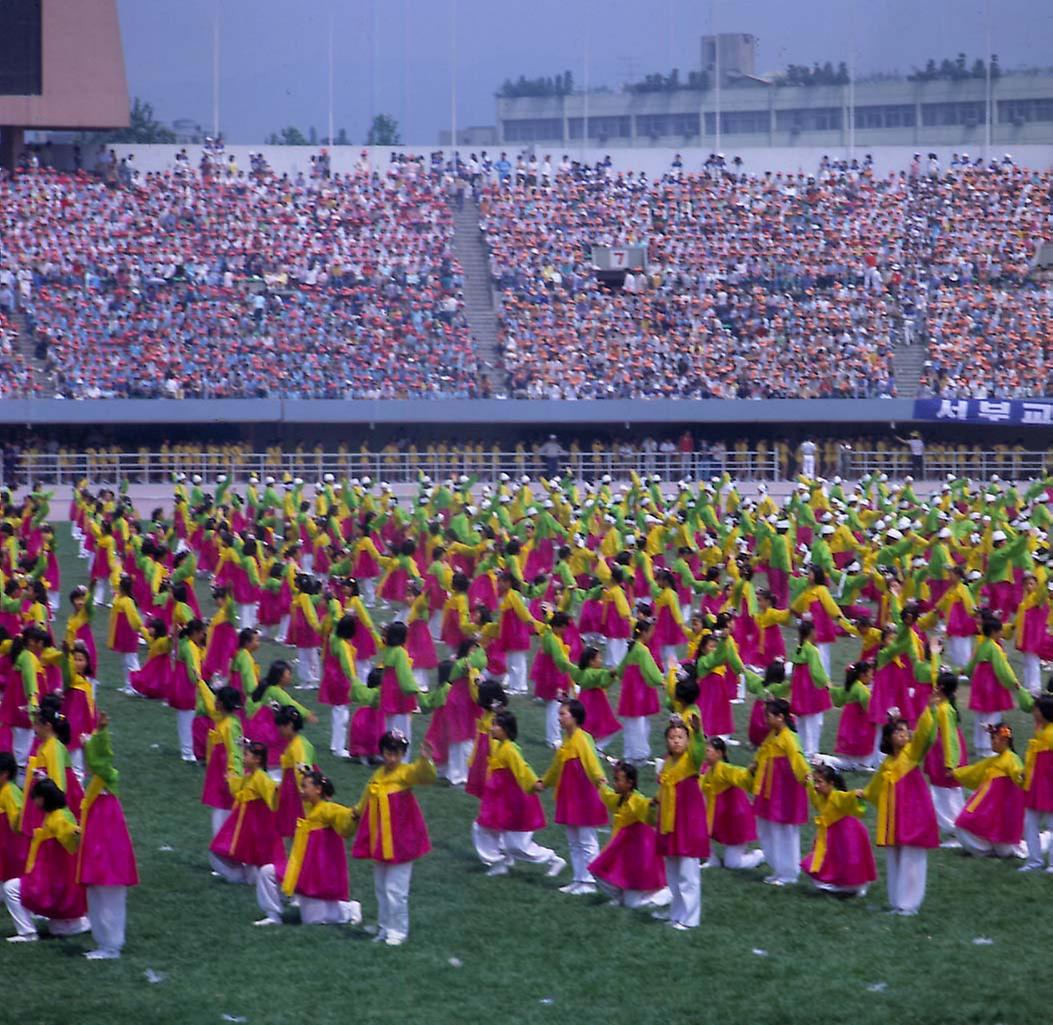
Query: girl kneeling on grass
992,821
729,814
841,860
628,868
316,872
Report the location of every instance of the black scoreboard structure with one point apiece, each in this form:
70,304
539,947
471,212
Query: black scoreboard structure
21,50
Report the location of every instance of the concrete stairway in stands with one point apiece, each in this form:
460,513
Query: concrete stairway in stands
27,347
478,295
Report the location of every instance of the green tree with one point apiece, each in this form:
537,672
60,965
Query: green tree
342,139
143,126
384,131
290,136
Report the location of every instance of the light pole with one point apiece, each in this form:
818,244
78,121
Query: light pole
330,45
215,71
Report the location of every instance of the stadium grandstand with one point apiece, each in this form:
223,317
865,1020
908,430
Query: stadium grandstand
277,288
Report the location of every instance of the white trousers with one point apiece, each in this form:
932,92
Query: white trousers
981,848
553,737
457,763
338,731
636,738
1031,671
185,732
233,872
824,655
312,910
100,591
584,846
131,665
810,729
22,741
739,856
959,651
107,906
420,676
283,628
362,667
617,647
1035,824
369,591
435,625
981,738
948,803
905,871
517,672
684,876
781,843
308,665
248,615
23,919
493,846
391,883
488,844
636,898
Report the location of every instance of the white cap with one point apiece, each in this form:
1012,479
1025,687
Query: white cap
630,540
783,524
329,478
908,480
606,478
221,479
975,575
525,479
904,523
655,478
504,476
853,567
366,481
895,535
945,532
998,535
270,480
298,481
837,480
827,528
197,478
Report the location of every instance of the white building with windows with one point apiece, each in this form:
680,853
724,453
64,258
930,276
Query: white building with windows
750,111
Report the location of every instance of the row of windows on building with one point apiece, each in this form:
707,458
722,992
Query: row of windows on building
967,113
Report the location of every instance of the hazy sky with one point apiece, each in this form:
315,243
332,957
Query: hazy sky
394,56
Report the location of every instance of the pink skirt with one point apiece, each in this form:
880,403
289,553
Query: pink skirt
420,646
250,836
335,688
477,766
631,861
986,694
106,855
590,620
715,706
51,888
220,650
182,694
437,735
364,732
599,719
999,817
549,682
577,803
855,732
805,697
506,808
152,681
290,803
81,717
261,729
690,835
215,793
758,726
849,858
733,819
636,697
788,803
395,586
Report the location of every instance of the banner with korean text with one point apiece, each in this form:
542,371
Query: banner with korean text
1022,412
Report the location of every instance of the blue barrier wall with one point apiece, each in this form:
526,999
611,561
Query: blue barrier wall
540,413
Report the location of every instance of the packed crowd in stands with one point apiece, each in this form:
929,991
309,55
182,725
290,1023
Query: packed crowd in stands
213,285
778,285
217,281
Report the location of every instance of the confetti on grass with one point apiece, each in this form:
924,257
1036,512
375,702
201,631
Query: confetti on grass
455,962
234,1017
982,941
877,987
759,952
154,977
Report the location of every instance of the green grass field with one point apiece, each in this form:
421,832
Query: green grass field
513,949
